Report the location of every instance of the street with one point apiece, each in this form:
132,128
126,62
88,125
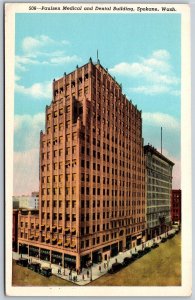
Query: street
160,267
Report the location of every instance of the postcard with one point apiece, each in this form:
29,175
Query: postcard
97,142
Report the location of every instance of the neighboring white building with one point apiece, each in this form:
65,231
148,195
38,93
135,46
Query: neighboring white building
26,201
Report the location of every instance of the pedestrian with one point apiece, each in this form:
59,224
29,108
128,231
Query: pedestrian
100,269
104,265
87,274
83,277
135,249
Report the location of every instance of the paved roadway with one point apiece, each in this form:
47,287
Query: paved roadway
83,279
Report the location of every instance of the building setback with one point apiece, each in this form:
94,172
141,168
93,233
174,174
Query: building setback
176,206
92,172
158,186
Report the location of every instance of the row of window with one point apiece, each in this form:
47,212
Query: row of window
55,202
68,217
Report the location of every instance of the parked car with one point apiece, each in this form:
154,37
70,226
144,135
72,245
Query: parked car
141,253
127,261
45,271
35,266
22,262
147,249
164,239
155,245
135,256
171,235
115,268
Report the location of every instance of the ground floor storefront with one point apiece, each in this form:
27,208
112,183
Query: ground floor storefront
77,261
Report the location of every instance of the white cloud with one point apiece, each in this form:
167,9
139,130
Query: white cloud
26,172
63,59
27,131
37,90
133,70
155,73
160,119
43,50
161,54
30,44
150,89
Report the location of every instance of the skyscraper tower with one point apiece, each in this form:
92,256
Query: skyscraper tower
92,171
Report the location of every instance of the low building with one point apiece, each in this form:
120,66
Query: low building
28,228
15,230
176,206
158,187
26,201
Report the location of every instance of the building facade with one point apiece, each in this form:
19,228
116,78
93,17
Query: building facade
26,201
15,230
159,187
176,206
92,172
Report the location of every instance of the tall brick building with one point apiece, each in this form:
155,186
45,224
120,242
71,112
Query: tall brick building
176,206
159,186
92,172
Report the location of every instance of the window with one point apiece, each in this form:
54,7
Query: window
67,108
61,126
67,217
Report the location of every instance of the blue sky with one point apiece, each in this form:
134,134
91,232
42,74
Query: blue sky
143,52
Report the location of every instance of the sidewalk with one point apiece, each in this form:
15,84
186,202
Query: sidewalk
96,273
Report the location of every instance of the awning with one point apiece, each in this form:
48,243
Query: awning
48,239
37,226
53,240
67,244
60,242
72,245
54,227
42,226
73,229
139,237
31,237
67,229
48,226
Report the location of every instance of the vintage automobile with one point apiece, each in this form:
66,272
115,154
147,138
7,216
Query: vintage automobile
135,255
47,272
115,268
141,253
34,266
164,239
147,249
126,261
171,235
22,262
155,245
